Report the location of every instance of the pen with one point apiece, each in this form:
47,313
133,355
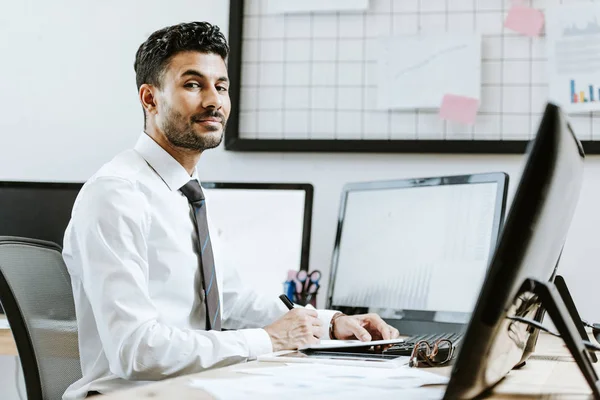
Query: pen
286,300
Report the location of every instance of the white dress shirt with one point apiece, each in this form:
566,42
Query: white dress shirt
130,248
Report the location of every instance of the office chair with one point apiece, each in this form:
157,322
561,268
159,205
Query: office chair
35,291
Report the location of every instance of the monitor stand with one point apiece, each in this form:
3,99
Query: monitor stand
552,301
563,290
565,295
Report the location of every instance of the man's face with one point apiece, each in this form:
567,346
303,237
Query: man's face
194,101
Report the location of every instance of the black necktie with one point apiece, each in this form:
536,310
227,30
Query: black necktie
195,196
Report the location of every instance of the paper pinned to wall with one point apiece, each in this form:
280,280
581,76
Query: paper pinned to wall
308,6
526,20
417,71
459,109
573,47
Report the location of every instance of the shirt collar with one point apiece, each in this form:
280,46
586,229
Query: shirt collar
168,168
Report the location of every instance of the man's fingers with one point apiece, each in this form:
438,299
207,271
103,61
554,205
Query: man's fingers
394,333
358,331
304,311
385,333
317,331
381,326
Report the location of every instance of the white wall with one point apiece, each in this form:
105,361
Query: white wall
67,88
68,101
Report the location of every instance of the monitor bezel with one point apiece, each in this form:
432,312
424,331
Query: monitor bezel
41,185
499,178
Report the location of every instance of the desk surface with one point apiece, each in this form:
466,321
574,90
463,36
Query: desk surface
7,343
550,371
62,335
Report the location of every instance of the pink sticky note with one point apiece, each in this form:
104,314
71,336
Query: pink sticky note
525,20
459,108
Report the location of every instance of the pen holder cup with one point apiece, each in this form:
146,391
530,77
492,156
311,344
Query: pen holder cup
306,298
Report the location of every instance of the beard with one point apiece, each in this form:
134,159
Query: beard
181,133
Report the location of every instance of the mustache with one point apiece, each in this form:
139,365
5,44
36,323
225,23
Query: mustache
208,114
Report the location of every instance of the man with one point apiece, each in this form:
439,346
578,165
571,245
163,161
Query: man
149,296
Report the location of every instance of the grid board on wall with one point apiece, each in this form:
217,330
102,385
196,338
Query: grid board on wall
307,82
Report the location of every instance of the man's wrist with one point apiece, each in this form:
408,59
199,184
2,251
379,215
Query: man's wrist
332,324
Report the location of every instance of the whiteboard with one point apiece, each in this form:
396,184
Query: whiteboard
309,80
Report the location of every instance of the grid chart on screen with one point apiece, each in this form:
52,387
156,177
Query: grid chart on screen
308,81
409,291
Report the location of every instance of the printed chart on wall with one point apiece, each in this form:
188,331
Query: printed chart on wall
574,56
410,75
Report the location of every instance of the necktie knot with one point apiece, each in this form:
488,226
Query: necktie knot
192,191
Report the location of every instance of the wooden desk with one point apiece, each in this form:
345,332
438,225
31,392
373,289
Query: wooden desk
7,343
551,372
62,336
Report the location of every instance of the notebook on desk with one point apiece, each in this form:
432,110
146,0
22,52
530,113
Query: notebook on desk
336,358
415,251
342,345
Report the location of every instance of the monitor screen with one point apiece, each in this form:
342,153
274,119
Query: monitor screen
409,245
39,210
263,230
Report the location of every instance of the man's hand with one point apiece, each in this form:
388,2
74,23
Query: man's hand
295,329
364,327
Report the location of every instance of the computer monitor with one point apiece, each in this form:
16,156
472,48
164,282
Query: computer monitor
39,210
263,230
518,282
263,226
405,248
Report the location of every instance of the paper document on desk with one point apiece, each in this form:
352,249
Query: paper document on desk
398,378
4,324
324,382
348,344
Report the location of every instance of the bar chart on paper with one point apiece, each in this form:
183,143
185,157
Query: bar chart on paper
574,56
591,94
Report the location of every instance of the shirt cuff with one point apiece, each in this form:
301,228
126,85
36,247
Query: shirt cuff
325,318
258,341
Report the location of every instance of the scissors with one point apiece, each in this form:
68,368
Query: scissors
309,283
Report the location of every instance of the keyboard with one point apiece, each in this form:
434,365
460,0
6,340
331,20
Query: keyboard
406,348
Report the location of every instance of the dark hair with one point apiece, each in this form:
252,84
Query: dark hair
155,53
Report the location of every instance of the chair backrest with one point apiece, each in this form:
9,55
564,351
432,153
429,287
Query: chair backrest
35,291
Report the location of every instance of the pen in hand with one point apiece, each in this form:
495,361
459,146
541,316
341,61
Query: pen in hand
286,300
